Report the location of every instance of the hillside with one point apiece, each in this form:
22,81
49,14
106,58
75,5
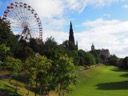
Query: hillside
99,81
102,81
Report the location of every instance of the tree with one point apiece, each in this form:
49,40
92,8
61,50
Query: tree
97,56
113,60
15,67
3,53
74,55
7,37
1,65
69,45
65,76
27,52
81,54
51,49
90,59
65,44
86,58
125,63
34,45
38,72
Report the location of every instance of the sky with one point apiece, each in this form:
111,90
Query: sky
103,23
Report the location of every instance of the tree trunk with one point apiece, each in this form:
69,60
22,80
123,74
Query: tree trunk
16,87
60,91
36,88
40,90
63,92
28,89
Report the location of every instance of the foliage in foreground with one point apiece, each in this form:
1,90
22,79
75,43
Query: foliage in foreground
42,74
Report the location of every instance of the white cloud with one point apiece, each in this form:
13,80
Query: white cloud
51,8
54,24
125,6
107,15
110,34
46,8
57,35
80,5
53,11
100,23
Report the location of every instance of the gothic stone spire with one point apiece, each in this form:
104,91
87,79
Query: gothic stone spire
71,34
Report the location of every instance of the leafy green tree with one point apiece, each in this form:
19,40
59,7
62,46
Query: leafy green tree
27,52
34,45
81,54
113,60
74,55
3,51
7,37
65,44
97,56
1,65
65,76
90,59
125,63
23,50
38,72
15,67
86,58
51,49
69,45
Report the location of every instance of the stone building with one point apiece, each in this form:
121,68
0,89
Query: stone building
104,53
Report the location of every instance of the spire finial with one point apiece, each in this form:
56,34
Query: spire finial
70,24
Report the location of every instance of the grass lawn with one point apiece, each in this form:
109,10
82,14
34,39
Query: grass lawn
102,81
98,81
8,89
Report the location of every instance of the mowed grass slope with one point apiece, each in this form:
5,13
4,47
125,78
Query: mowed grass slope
102,81
99,81
7,89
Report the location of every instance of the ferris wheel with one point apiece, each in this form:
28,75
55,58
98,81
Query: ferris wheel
24,21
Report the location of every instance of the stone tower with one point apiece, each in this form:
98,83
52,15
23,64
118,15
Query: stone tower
92,47
72,45
71,34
